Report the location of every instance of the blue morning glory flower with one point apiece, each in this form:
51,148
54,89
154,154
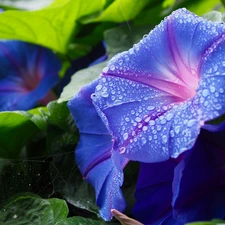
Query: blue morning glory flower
27,74
155,97
150,103
98,163
190,188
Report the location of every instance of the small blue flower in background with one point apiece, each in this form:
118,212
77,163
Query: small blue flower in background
149,105
190,188
27,74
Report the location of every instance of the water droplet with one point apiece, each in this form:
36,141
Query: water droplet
143,140
93,96
125,136
150,107
191,122
150,138
132,112
138,119
205,93
127,119
163,121
172,133
158,127
105,69
169,116
122,150
151,122
218,106
164,139
120,62
98,87
145,128
212,89
112,67
177,129
104,94
221,90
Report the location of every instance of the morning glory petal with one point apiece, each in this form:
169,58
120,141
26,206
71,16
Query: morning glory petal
27,74
155,97
203,198
99,164
154,192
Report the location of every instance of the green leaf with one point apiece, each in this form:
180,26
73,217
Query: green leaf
59,209
77,220
202,6
214,16
51,27
119,11
15,130
117,40
30,209
26,4
59,115
79,79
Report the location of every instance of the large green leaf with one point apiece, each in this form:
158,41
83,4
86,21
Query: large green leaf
51,26
15,130
119,11
117,40
30,209
25,4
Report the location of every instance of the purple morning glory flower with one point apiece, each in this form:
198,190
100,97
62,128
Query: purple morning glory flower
27,74
99,164
149,104
155,97
185,190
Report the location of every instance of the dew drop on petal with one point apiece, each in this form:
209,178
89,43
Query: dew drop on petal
169,116
143,140
122,150
172,133
98,87
125,136
164,139
205,93
163,121
138,119
177,129
191,122
145,128
212,89
218,106
150,107
93,96
151,122
105,69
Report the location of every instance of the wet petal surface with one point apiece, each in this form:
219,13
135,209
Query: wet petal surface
99,164
155,97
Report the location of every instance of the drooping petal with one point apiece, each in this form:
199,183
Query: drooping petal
199,184
154,192
27,73
156,94
99,164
